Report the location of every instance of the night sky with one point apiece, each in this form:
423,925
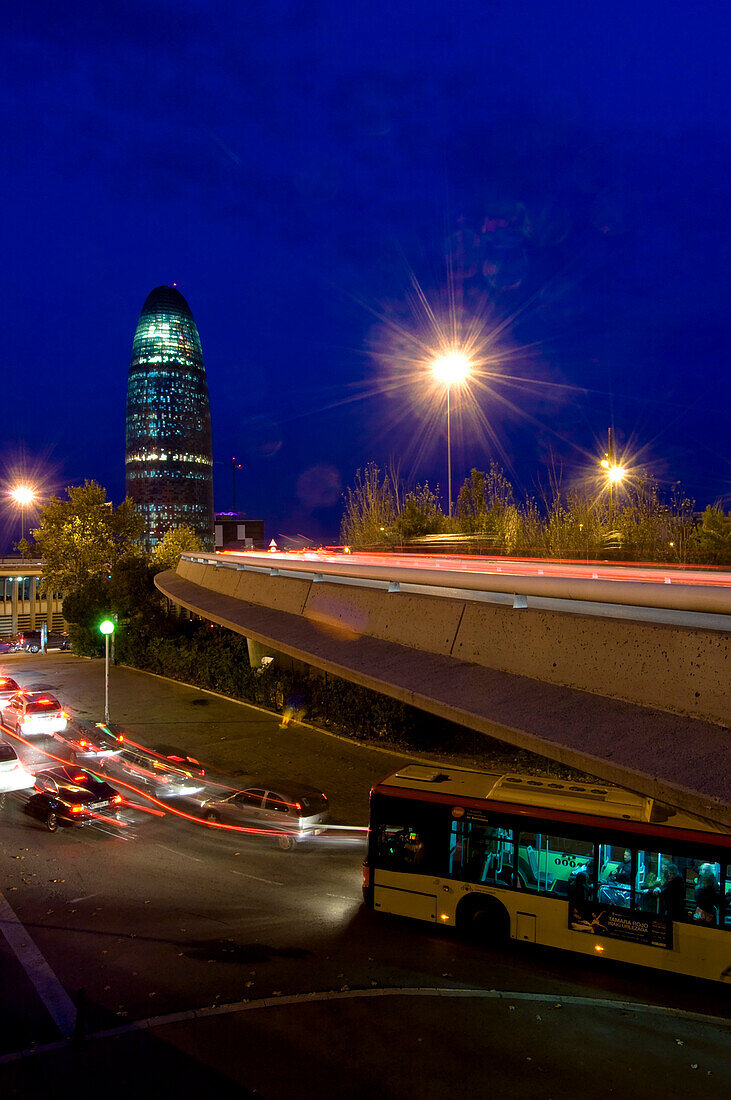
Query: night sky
561,169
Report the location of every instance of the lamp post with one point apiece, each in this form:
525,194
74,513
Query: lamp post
451,369
23,495
107,629
615,473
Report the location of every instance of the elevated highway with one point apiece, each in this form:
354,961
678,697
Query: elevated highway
621,672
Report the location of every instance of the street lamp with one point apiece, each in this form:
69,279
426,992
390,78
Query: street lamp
107,629
614,472
23,495
451,369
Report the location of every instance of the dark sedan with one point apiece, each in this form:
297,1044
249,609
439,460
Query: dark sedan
71,796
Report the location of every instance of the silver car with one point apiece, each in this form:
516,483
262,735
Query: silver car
291,810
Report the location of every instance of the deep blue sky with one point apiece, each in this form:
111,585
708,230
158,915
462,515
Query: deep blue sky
290,164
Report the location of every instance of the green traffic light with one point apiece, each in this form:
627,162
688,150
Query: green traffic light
107,627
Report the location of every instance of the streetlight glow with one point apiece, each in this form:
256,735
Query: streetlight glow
452,368
616,474
23,495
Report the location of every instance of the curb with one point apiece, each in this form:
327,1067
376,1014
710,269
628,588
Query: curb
558,1001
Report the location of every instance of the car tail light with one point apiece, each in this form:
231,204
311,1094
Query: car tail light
79,778
298,807
76,809
82,744
117,799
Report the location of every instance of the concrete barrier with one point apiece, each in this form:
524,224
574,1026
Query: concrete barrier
281,593
668,667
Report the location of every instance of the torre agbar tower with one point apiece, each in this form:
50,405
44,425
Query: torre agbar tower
168,458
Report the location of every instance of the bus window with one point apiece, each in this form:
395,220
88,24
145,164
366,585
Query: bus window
679,887
481,853
615,875
727,899
400,847
546,863
706,901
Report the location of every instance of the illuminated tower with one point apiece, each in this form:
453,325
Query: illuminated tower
168,460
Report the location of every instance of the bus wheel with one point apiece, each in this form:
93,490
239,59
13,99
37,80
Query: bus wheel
484,918
286,843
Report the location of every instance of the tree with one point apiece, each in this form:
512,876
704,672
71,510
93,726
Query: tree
486,506
176,541
711,542
420,514
370,508
83,537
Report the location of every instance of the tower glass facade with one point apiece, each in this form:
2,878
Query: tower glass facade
168,457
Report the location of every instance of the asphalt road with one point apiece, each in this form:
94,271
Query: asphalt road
165,917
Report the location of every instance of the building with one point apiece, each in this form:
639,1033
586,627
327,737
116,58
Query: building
168,455
21,605
234,531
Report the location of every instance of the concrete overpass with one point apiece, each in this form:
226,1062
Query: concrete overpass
632,686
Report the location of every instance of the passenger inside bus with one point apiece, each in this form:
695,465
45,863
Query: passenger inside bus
706,895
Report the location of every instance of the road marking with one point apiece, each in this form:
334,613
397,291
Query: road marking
343,897
356,994
177,853
268,881
86,897
49,989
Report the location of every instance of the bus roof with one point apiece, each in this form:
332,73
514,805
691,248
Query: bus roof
545,792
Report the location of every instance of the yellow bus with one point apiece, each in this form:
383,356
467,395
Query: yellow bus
587,867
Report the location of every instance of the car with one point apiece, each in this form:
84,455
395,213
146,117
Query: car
153,774
90,741
8,688
33,713
71,796
30,641
296,812
7,645
13,776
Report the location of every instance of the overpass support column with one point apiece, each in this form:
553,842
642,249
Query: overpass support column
257,651
14,606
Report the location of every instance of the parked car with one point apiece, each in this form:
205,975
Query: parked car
33,713
13,776
7,645
294,811
71,796
8,688
29,641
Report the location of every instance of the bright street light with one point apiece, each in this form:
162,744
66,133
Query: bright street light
614,472
107,629
451,369
22,495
